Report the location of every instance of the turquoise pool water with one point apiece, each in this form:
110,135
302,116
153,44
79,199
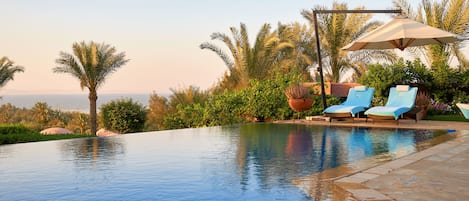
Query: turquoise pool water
245,162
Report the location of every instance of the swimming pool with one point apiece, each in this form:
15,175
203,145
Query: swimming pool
245,162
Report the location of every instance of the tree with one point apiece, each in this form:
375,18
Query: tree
186,96
246,61
157,109
336,31
301,55
90,63
79,122
8,70
42,113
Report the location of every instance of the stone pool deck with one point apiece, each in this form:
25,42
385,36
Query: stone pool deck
437,173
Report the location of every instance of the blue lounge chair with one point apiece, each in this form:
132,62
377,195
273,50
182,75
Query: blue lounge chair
358,100
401,100
464,109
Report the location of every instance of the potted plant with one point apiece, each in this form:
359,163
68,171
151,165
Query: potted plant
299,97
422,102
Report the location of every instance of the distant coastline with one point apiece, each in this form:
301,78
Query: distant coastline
70,102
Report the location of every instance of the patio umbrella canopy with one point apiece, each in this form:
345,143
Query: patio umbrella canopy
401,33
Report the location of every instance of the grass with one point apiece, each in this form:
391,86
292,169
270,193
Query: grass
17,133
14,138
446,117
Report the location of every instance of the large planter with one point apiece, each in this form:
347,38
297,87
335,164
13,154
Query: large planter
422,112
300,105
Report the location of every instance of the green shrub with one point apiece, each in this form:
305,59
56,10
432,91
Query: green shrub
226,108
14,129
123,116
266,100
382,77
186,116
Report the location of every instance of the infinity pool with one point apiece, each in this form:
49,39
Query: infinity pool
245,162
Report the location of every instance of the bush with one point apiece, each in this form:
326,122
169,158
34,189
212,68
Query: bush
382,77
187,116
157,110
266,100
14,129
226,108
123,116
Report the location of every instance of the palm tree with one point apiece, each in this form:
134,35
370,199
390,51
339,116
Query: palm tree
336,31
90,63
246,61
300,57
8,70
449,15
42,113
186,96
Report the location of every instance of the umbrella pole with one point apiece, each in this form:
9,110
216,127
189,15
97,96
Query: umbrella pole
321,74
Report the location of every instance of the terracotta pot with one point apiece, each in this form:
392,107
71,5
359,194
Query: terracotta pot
300,105
422,112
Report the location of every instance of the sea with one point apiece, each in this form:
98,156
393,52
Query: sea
70,102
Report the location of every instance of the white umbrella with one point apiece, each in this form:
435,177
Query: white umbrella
401,33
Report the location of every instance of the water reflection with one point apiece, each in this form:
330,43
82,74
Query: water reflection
86,153
297,153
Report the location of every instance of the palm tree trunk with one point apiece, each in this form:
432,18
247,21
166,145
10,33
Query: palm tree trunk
93,97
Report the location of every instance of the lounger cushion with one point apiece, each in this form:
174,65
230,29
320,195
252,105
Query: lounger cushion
344,109
387,111
402,87
360,88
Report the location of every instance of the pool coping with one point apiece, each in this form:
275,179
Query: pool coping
353,186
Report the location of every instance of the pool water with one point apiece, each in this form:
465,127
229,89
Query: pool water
244,162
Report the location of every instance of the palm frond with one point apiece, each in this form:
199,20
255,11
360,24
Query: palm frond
8,70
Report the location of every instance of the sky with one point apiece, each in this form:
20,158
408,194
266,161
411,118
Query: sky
160,37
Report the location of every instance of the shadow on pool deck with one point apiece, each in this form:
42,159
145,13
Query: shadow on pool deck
436,173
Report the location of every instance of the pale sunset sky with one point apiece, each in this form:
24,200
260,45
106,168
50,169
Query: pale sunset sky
160,37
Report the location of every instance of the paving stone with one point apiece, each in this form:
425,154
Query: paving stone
380,170
369,195
405,172
399,163
418,156
438,158
352,179
459,150
366,176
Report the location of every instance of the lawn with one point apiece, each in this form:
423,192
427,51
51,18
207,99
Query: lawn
446,117
15,133
35,137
